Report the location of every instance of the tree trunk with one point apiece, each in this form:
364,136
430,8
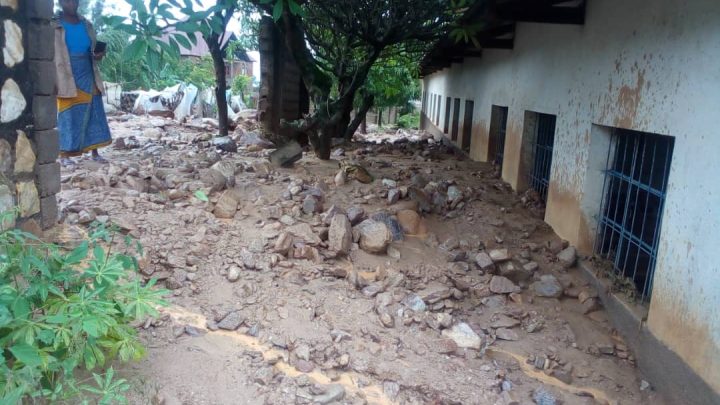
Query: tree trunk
363,125
221,86
379,119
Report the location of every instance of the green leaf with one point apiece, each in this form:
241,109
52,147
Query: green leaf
136,50
200,195
27,354
78,254
278,10
183,41
5,316
295,8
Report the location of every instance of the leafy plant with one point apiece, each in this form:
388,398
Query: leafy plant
411,120
63,311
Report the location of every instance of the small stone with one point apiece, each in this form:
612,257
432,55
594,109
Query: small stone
225,144
393,196
355,215
591,305
548,287
410,221
506,334
434,293
414,302
306,233
391,389
387,320
233,274
333,393
340,234
445,320
264,376
340,178
504,321
502,285
226,206
484,262
374,236
28,198
283,243
585,294
311,205
302,352
446,346
344,360
494,301
644,385
541,396
567,257
231,321
393,252
464,336
330,214
530,266
499,255
227,168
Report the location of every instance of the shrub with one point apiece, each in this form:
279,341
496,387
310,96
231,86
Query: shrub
409,121
63,311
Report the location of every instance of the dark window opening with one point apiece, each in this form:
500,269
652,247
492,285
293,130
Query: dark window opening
499,116
467,124
456,120
446,125
631,213
542,154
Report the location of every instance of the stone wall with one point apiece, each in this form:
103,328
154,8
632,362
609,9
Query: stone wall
29,143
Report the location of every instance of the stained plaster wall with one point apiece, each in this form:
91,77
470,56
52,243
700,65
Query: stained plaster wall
29,146
647,66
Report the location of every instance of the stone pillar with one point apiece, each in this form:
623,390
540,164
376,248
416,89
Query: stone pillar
29,144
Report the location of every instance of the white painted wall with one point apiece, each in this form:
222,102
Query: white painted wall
648,66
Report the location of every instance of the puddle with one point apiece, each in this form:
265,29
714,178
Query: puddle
373,394
532,372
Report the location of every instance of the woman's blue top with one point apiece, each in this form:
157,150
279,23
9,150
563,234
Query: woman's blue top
76,37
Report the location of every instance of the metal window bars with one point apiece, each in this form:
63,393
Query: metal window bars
635,186
543,150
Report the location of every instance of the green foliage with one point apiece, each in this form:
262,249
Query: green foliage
63,311
411,120
394,81
199,72
241,86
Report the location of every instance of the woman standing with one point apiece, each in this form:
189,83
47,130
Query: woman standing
82,122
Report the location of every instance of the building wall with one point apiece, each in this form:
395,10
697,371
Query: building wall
635,66
29,146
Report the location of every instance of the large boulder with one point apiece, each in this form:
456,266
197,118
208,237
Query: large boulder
375,236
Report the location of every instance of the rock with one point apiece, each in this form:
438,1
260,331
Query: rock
233,274
499,255
644,385
333,393
591,305
24,155
463,336
305,366
434,293
530,267
567,257
454,195
311,205
586,293
391,389
541,396
393,196
414,302
287,154
306,233
253,139
494,301
264,376
484,262
225,144
6,162
213,179
389,183
387,320
410,221
226,206
340,178
6,204
374,236
283,243
355,215
231,321
261,168
302,352
419,196
392,224
445,320
340,234
393,252
328,216
502,285
506,334
227,169
503,321
548,287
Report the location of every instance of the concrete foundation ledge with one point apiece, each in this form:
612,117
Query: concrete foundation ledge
667,373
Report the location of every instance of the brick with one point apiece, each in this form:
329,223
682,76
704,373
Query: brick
48,178
45,112
42,75
41,42
48,211
41,9
47,144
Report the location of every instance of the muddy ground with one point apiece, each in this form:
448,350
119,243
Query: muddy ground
431,321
